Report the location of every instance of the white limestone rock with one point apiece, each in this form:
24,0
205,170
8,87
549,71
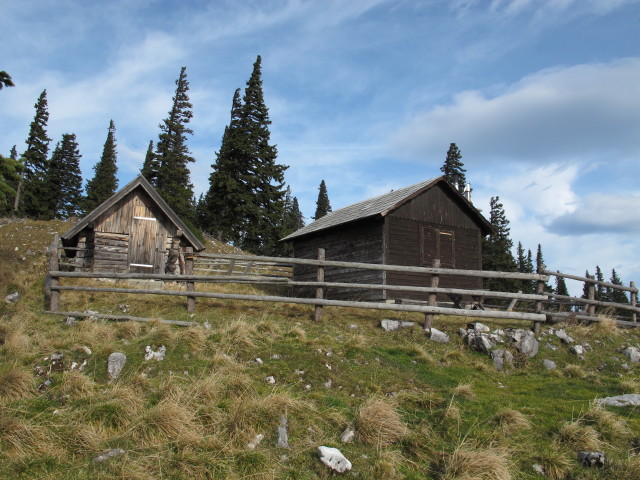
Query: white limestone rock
283,436
115,452
633,354
478,327
334,459
348,435
393,325
577,350
255,442
438,336
626,400
549,364
115,363
158,355
502,359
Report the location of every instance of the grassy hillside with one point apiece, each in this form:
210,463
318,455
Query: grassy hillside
420,410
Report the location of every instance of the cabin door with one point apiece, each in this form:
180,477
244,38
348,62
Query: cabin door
142,242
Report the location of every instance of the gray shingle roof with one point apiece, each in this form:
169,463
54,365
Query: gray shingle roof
380,205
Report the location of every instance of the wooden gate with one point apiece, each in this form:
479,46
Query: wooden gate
144,230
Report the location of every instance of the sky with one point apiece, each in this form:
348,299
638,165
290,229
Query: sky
542,97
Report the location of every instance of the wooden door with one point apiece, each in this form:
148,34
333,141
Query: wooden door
142,242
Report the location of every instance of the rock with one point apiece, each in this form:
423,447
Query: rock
591,459
328,384
527,344
12,297
463,333
70,321
479,341
275,356
46,384
393,325
626,400
259,361
270,379
158,355
347,435
478,327
633,354
549,364
353,326
577,350
564,337
551,347
283,437
437,336
255,442
107,455
538,468
206,325
334,459
115,363
502,359
626,367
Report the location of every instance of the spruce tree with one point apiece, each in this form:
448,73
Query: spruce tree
601,292
8,178
453,168
29,200
561,289
496,250
5,80
173,155
63,182
524,266
150,167
292,220
617,296
322,203
104,183
541,267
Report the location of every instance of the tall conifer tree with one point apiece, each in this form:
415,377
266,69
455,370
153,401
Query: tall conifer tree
496,250
617,296
150,166
8,178
28,200
104,183
323,206
453,168
63,182
173,155
5,80
601,292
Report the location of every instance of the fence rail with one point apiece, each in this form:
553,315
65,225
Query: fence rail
270,271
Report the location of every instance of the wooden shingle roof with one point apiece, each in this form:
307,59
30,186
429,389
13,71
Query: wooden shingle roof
143,183
382,205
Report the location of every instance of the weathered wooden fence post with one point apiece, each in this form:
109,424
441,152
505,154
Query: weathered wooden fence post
633,296
53,265
539,306
591,295
433,297
317,315
191,285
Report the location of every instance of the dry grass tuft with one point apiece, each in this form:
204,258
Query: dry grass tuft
607,325
171,419
579,436
464,390
574,371
16,343
82,438
240,334
379,423
388,465
75,384
467,463
629,386
195,337
128,330
298,332
116,408
161,334
555,463
608,423
15,383
421,354
630,469
20,438
511,421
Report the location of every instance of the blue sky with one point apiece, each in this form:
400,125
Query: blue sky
541,96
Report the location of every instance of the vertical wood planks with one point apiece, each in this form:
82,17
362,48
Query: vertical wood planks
317,315
191,285
53,295
433,298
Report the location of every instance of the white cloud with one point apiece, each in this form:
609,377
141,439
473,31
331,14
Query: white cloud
584,111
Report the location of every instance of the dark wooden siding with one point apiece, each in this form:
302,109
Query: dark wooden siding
355,242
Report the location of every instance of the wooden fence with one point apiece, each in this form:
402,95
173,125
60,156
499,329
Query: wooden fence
276,271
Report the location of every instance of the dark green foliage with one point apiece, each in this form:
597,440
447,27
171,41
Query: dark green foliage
63,182
561,288
322,203
615,295
601,292
525,265
150,167
453,168
8,178
5,80
496,249
245,201
29,200
585,287
104,183
540,267
172,154
292,220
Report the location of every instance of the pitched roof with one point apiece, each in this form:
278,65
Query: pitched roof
143,183
382,205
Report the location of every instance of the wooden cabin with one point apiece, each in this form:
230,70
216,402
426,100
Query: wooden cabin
411,226
133,231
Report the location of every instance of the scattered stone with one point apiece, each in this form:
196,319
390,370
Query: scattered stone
577,350
86,349
353,326
564,337
283,437
271,379
328,384
206,325
115,363
437,336
626,400
46,384
259,361
307,386
348,435
625,366
591,459
526,343
479,341
298,372
633,354
115,452
158,355
70,321
334,459
124,308
538,468
12,297
549,364
478,327
502,359
255,442
393,325
275,357
553,348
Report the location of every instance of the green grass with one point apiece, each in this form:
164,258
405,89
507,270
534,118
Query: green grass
192,415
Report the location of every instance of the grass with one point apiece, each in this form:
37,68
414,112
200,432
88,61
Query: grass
420,410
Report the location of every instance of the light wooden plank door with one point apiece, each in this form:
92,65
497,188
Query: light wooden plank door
142,243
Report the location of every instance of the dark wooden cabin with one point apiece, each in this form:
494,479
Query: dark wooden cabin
411,226
132,231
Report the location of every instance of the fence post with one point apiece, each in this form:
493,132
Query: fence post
317,315
433,297
591,295
633,297
191,285
52,295
539,306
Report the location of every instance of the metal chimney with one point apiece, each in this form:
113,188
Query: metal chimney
467,191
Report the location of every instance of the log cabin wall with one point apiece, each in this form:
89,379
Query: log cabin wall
356,242
433,225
